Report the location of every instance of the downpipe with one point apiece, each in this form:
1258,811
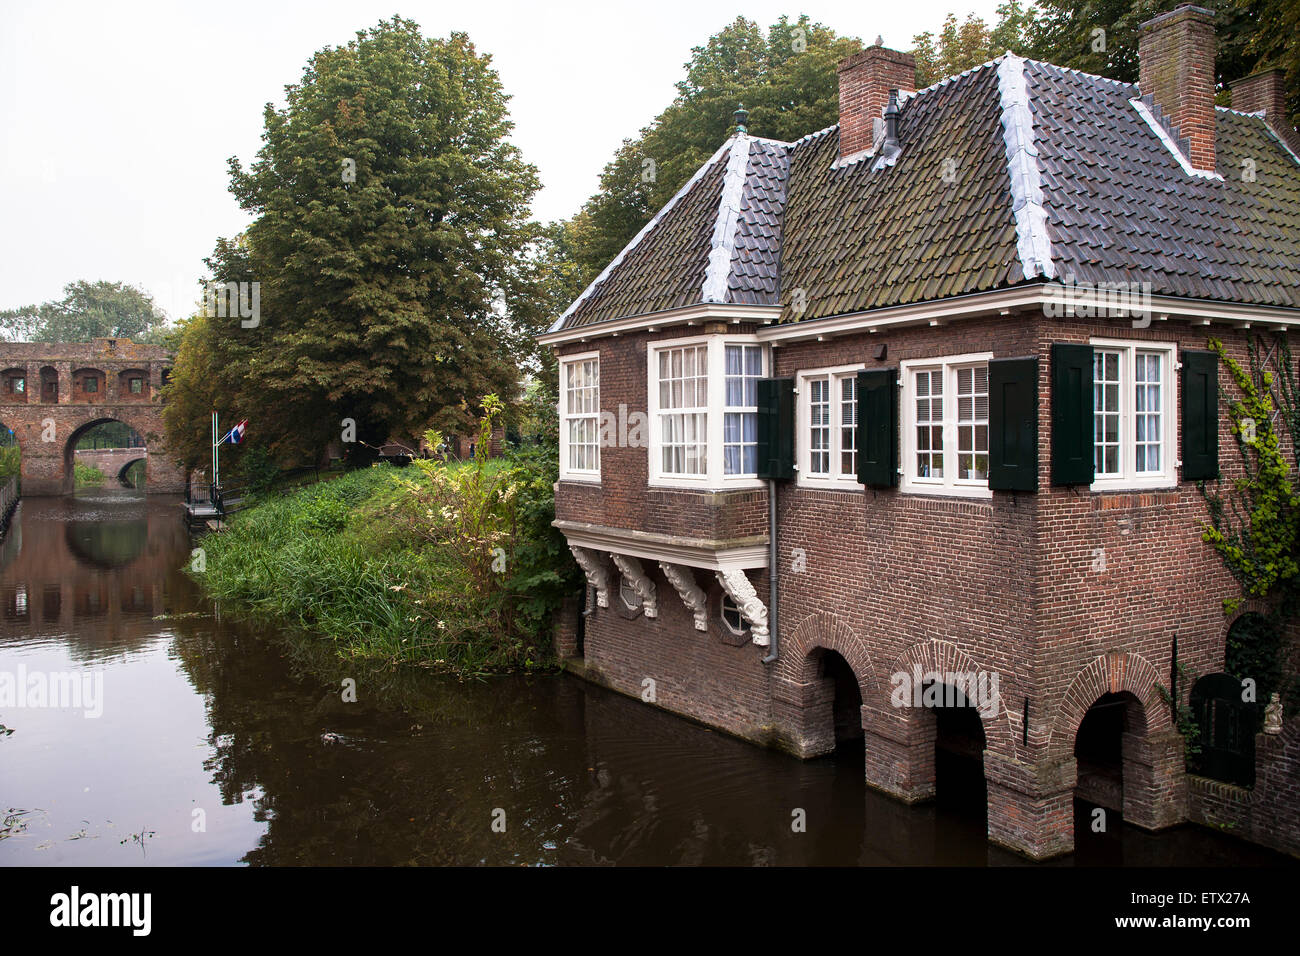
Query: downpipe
774,644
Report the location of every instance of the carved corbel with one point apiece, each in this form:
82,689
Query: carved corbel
594,567
737,585
692,595
631,569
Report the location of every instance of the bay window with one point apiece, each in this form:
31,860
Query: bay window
828,427
580,416
1133,428
704,410
946,425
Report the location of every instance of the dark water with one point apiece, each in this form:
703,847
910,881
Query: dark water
205,712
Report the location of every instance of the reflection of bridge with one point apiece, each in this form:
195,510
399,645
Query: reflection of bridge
86,577
51,394
113,462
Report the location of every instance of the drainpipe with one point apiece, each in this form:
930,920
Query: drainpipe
774,645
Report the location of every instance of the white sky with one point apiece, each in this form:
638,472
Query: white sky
116,119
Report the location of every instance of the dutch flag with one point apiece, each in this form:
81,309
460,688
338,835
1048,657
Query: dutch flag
236,434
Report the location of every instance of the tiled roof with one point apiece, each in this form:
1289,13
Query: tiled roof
1122,208
1012,172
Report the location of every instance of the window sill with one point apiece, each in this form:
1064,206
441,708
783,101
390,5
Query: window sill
829,484
948,491
706,486
1163,483
580,479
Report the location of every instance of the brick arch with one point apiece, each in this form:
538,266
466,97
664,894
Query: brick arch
937,655
1111,673
823,630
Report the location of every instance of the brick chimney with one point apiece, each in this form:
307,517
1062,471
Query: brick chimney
1176,69
1266,90
865,81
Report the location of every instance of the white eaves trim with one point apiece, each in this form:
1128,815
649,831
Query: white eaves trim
1032,240
1035,297
723,243
645,230
732,312
1158,128
935,312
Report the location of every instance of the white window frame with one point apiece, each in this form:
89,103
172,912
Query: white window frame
567,473
713,477
836,478
1128,479
949,485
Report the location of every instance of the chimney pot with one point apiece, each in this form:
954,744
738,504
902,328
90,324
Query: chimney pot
1176,69
866,79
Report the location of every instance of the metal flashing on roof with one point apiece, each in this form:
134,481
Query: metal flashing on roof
1159,129
1032,240
723,241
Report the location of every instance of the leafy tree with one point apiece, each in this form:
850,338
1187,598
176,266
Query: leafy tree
1101,36
88,310
784,77
391,248
960,46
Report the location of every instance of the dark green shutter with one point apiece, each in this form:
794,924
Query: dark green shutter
1013,424
776,428
1072,451
878,428
1200,416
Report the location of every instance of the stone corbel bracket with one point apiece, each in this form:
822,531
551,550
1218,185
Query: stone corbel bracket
737,585
692,595
631,569
597,572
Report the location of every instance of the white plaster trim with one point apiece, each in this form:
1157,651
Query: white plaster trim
733,312
751,552
1280,141
1158,128
631,569
1032,241
645,230
741,590
723,244
593,566
692,595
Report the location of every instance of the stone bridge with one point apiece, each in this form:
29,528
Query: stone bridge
52,393
113,462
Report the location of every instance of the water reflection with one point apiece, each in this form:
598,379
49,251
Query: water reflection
242,728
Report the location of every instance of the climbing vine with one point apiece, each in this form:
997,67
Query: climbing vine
1255,520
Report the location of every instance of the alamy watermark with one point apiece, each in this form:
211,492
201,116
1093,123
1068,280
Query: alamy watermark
936,689
1100,300
223,300
53,690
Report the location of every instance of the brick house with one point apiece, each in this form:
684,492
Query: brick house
893,433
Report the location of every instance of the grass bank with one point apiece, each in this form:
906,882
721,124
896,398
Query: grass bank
447,566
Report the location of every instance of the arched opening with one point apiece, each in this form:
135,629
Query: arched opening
1104,746
959,744
88,385
100,454
49,385
13,386
1224,747
846,705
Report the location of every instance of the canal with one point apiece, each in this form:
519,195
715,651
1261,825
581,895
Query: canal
223,742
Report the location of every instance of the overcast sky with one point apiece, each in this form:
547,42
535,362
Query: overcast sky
117,118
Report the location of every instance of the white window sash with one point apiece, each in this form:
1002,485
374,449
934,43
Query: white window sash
835,477
949,483
714,476
1128,477
567,416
